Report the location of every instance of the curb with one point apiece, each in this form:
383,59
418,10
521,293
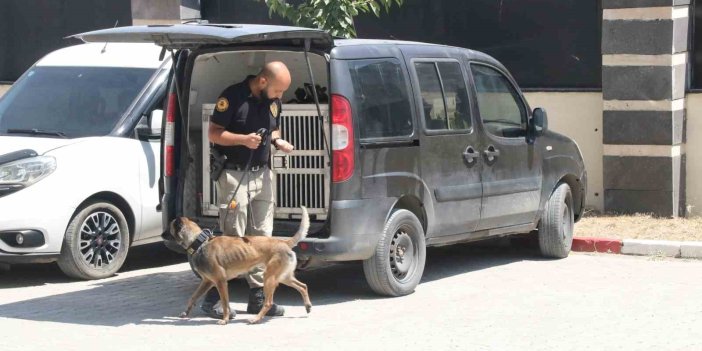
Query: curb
585,244
681,249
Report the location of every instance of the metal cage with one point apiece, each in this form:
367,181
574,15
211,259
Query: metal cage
302,178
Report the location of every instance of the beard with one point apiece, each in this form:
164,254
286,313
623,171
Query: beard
264,95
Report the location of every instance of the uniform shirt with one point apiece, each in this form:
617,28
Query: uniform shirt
238,111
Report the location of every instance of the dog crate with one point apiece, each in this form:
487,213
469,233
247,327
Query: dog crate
302,178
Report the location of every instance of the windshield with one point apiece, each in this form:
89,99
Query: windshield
70,101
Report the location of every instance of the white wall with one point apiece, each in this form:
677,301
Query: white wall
693,151
3,88
579,116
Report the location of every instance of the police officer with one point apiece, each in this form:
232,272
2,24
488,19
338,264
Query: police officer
241,110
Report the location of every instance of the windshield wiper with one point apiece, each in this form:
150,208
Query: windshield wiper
35,131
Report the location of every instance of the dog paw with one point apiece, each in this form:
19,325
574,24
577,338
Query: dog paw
222,322
254,320
184,315
308,308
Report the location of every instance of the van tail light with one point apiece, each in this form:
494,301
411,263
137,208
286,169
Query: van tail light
342,139
169,140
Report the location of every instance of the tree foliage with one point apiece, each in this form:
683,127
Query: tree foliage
334,16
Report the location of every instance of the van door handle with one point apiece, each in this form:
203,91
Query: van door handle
491,153
470,155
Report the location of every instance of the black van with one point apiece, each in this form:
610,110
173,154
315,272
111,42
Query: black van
400,145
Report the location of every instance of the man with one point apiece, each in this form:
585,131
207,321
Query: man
241,110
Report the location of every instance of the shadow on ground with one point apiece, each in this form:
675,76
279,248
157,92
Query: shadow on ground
139,257
159,297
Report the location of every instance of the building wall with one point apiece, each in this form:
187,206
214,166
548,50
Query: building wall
693,150
544,43
146,12
31,29
3,88
579,116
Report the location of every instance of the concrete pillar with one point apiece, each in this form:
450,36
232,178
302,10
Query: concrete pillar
644,56
164,11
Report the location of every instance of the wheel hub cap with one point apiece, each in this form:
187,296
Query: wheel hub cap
100,239
402,254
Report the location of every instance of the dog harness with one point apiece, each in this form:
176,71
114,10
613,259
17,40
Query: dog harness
204,236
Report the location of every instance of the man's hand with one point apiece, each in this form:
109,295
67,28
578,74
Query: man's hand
284,146
252,141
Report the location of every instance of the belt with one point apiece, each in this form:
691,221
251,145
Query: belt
241,168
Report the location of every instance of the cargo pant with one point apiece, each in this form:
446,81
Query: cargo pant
253,214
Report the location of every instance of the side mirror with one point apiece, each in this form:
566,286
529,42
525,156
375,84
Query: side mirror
156,122
539,119
538,124
153,130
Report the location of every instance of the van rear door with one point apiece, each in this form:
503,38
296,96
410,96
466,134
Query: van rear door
189,36
184,37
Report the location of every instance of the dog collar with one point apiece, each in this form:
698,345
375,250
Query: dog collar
204,236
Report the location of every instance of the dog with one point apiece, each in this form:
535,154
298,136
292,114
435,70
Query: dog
222,258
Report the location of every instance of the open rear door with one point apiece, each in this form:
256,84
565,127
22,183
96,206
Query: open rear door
181,36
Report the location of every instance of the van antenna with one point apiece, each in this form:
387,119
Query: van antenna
105,47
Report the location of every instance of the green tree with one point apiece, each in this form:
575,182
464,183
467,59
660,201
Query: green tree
334,16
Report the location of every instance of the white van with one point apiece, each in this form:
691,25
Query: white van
80,136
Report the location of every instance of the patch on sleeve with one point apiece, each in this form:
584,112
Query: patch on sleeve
222,104
274,109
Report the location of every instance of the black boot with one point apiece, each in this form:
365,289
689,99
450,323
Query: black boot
212,306
256,299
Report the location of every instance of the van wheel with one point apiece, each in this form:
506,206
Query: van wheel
398,263
556,224
96,242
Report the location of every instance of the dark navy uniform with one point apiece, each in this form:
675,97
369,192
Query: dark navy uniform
238,111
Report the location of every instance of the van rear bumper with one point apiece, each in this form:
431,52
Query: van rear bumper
356,226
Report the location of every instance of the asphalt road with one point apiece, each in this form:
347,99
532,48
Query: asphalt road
471,298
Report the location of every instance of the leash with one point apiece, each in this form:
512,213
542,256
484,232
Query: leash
263,132
247,171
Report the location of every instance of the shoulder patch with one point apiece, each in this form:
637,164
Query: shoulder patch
222,104
274,109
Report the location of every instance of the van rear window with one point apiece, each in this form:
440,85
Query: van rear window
382,100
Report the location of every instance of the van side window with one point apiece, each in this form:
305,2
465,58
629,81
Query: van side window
501,109
444,95
456,95
382,98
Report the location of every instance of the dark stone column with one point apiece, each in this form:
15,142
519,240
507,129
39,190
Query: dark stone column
644,57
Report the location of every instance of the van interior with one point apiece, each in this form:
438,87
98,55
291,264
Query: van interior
303,177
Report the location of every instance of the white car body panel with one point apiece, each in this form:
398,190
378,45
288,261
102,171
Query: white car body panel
126,167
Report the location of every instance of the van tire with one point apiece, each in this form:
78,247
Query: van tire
384,272
72,261
556,224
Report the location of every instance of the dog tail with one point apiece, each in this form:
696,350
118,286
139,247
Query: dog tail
302,231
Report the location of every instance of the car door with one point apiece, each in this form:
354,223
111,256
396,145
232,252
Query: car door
511,171
449,158
149,172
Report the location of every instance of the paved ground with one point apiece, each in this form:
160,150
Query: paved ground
470,299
